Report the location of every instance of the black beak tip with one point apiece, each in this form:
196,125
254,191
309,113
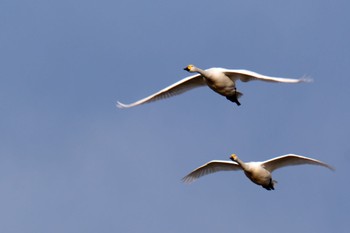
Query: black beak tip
186,68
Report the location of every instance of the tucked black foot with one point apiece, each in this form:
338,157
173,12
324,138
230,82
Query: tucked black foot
270,186
234,99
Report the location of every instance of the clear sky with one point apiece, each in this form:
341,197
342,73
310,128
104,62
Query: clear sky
70,161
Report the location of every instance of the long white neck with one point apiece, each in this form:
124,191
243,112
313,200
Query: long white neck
198,70
243,165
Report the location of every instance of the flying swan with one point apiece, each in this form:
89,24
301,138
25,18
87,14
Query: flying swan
220,80
258,172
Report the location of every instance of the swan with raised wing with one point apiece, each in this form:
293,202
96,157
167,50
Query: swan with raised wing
220,80
258,172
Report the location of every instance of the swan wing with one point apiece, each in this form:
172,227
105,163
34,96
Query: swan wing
210,167
246,76
172,90
291,160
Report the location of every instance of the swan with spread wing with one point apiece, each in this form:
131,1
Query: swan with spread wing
258,172
220,80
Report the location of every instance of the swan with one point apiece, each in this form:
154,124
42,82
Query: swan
258,172
220,80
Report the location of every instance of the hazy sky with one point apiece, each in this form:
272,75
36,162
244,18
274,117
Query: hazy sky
70,161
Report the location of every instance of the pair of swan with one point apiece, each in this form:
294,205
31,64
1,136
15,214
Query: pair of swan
220,80
223,82
258,172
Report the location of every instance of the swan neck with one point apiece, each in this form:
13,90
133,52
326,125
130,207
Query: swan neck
243,165
202,72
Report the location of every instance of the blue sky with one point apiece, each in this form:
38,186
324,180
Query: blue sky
70,161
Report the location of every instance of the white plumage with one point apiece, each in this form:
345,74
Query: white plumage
220,80
257,172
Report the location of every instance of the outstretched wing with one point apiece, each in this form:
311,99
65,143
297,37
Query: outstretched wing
211,167
172,90
291,160
246,76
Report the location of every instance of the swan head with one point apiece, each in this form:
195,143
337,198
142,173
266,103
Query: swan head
233,157
189,68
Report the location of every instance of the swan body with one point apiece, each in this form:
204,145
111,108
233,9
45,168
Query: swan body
258,172
220,80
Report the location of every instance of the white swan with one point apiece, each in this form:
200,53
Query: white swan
258,172
220,80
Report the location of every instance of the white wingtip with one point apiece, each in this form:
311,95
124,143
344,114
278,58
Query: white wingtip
121,105
306,79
